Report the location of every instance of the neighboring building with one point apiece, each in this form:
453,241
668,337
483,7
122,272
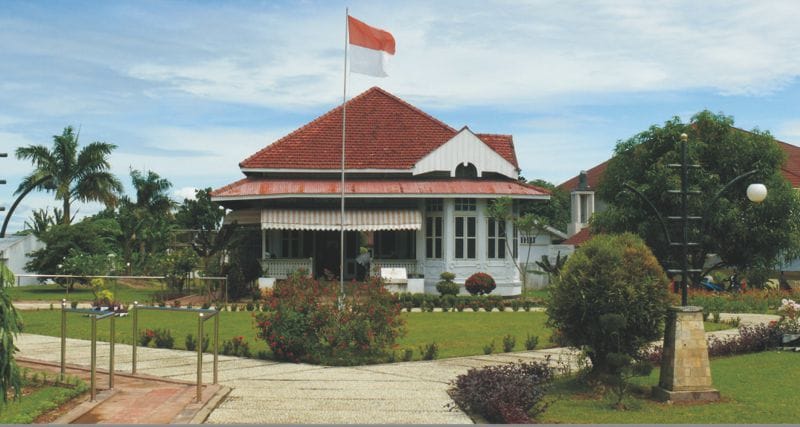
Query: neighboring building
14,252
583,203
416,195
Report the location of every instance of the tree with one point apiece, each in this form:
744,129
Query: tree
147,222
10,326
610,300
502,209
71,175
42,220
81,248
743,234
556,211
203,218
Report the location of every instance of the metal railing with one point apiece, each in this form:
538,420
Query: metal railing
281,268
409,264
203,315
95,316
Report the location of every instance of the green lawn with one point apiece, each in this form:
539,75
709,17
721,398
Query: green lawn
457,334
466,333
758,388
54,293
41,400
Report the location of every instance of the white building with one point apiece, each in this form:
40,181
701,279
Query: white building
14,252
416,195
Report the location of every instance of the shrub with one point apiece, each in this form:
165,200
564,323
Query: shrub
408,354
163,338
489,348
145,337
516,305
250,306
417,299
474,303
237,346
429,351
446,286
73,304
480,284
306,323
609,274
191,343
531,342
512,393
509,342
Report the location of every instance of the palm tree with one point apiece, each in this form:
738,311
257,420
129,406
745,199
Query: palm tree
71,175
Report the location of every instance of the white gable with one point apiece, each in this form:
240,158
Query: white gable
465,148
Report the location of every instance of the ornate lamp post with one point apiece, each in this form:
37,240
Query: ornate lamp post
685,371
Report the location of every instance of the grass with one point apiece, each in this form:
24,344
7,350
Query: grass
41,400
758,388
465,333
54,293
457,334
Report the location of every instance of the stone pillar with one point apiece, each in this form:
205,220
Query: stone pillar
685,371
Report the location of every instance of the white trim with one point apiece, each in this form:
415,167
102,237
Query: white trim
467,148
376,195
336,171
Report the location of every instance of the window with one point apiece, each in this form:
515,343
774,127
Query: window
465,205
496,239
290,243
466,171
465,243
433,205
433,237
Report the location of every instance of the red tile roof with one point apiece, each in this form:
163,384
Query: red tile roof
259,187
593,176
790,170
383,132
579,238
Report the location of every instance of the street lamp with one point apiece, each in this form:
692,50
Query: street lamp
685,370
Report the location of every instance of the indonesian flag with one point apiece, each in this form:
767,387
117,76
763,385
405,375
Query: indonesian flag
370,48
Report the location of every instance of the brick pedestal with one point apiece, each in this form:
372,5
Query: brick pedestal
685,372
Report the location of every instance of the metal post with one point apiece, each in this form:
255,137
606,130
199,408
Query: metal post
93,357
63,338
685,223
111,355
135,336
216,345
200,357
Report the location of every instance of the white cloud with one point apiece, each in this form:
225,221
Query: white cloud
183,193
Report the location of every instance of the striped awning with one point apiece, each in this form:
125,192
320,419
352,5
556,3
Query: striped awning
354,220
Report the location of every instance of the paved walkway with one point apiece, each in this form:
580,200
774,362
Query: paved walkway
268,392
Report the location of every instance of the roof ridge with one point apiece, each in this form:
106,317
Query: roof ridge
314,122
411,107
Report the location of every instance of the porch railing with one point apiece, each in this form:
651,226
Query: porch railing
409,264
281,268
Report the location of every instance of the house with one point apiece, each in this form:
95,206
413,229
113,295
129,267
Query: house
14,252
416,195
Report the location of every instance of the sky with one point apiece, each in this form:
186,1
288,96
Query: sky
189,89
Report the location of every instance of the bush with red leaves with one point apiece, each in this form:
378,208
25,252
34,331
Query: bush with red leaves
480,284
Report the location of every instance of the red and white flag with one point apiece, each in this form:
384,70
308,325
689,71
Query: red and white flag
370,48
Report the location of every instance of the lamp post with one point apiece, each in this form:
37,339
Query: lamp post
685,371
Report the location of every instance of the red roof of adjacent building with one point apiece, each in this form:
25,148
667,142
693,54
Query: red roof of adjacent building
259,187
578,238
593,176
383,132
790,170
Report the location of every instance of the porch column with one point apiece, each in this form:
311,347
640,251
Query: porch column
420,239
448,234
263,243
481,227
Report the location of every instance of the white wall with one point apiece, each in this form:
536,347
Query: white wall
15,252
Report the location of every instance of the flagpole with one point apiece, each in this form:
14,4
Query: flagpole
344,121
